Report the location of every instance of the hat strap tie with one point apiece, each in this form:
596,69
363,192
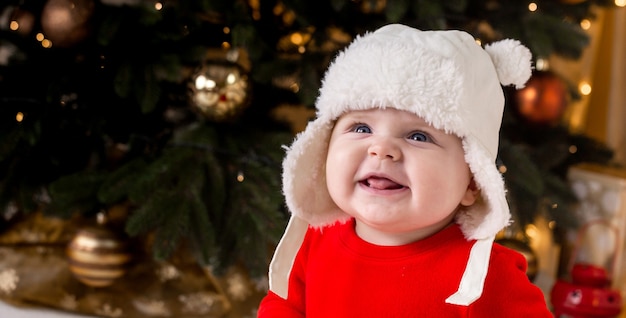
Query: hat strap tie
285,256
473,280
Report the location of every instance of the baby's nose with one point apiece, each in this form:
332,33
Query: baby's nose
383,148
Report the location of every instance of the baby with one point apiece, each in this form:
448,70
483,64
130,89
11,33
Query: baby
393,188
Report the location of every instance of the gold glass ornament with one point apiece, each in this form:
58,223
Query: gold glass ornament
219,91
97,256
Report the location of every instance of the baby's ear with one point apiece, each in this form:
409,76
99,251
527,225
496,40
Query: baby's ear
471,194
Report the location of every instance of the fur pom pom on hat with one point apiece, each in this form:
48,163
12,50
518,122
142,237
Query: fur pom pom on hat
446,78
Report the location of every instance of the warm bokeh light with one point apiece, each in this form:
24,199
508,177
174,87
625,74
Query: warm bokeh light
240,177
226,30
532,7
573,149
620,3
532,231
584,88
19,117
14,25
278,9
46,43
296,38
158,6
255,5
552,225
40,37
585,24
542,64
502,169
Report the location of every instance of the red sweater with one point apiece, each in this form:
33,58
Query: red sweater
337,274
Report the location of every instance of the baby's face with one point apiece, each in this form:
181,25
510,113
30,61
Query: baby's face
399,177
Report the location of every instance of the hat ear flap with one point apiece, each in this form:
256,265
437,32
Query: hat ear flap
304,176
490,213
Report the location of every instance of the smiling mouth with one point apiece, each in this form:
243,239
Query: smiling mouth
379,183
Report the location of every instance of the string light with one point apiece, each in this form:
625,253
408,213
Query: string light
296,38
240,176
256,9
585,24
502,169
14,25
300,39
532,231
584,88
542,64
40,37
532,7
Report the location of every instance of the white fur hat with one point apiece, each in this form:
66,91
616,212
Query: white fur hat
444,77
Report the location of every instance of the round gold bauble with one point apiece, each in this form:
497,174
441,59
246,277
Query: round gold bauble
66,22
97,256
219,91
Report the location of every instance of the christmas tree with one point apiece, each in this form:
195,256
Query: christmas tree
176,109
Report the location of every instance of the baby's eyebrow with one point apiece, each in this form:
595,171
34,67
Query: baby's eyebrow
354,117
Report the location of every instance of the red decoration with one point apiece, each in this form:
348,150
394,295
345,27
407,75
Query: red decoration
588,294
543,100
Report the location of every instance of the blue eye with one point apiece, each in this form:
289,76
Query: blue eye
361,129
420,136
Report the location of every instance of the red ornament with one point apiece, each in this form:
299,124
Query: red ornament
588,294
543,100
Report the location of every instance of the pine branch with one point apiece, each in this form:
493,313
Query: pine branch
120,182
75,194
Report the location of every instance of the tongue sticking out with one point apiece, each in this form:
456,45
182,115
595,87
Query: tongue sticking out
382,184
